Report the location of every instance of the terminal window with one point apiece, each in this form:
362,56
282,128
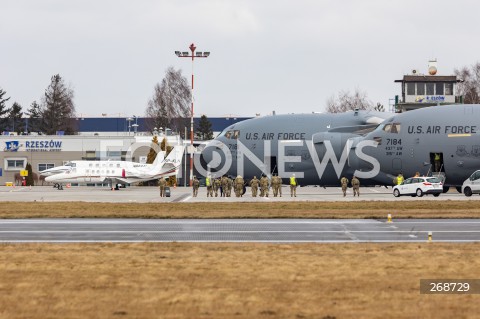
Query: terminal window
448,88
410,88
420,88
430,88
14,164
439,88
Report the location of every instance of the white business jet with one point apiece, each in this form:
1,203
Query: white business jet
115,172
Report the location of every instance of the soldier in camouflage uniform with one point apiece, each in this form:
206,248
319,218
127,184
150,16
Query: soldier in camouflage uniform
356,186
264,186
229,186
254,186
224,185
279,186
274,185
162,183
238,184
344,182
216,185
195,185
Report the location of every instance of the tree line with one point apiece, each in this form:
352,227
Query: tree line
54,113
170,105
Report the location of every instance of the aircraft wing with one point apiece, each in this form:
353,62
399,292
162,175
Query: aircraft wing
357,129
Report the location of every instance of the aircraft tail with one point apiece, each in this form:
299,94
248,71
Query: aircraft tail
159,159
172,162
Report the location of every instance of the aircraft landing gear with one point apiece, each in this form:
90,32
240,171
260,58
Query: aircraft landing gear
58,186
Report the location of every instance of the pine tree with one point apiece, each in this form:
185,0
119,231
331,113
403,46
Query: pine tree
204,129
29,178
58,108
3,110
34,114
15,120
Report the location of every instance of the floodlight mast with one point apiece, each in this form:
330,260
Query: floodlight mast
193,56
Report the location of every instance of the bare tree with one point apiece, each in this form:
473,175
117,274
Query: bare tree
348,102
58,109
170,103
469,88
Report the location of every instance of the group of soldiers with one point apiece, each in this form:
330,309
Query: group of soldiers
224,185
355,185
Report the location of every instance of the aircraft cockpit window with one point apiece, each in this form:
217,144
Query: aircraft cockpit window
70,164
392,128
236,134
396,128
228,134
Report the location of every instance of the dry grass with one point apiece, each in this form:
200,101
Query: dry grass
363,209
233,280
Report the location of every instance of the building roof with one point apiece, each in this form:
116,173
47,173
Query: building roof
120,124
429,78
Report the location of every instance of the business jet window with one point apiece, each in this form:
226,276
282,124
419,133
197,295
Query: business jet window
118,165
236,134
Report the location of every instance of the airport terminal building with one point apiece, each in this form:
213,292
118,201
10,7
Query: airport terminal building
97,139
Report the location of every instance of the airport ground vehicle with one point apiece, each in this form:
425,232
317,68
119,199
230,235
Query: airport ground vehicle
419,186
472,184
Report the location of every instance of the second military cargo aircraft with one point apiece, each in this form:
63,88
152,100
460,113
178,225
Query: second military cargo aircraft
375,146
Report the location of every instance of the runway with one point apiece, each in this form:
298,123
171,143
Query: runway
237,230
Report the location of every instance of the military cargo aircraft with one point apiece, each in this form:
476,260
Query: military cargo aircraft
305,144
115,172
374,146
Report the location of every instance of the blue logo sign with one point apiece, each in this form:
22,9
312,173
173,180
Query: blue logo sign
11,146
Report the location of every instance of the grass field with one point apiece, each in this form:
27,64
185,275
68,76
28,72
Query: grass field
194,280
233,280
361,209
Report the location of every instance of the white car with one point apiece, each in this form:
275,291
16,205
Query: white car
418,186
472,184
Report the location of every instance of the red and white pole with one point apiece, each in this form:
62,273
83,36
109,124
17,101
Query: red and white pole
192,48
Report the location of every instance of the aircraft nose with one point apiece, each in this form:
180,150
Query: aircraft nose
211,156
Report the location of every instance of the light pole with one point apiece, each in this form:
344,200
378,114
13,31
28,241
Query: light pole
193,55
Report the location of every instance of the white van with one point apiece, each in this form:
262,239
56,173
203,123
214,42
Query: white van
472,184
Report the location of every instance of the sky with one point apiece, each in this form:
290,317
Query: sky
266,55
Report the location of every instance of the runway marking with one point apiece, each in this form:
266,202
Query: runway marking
46,232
